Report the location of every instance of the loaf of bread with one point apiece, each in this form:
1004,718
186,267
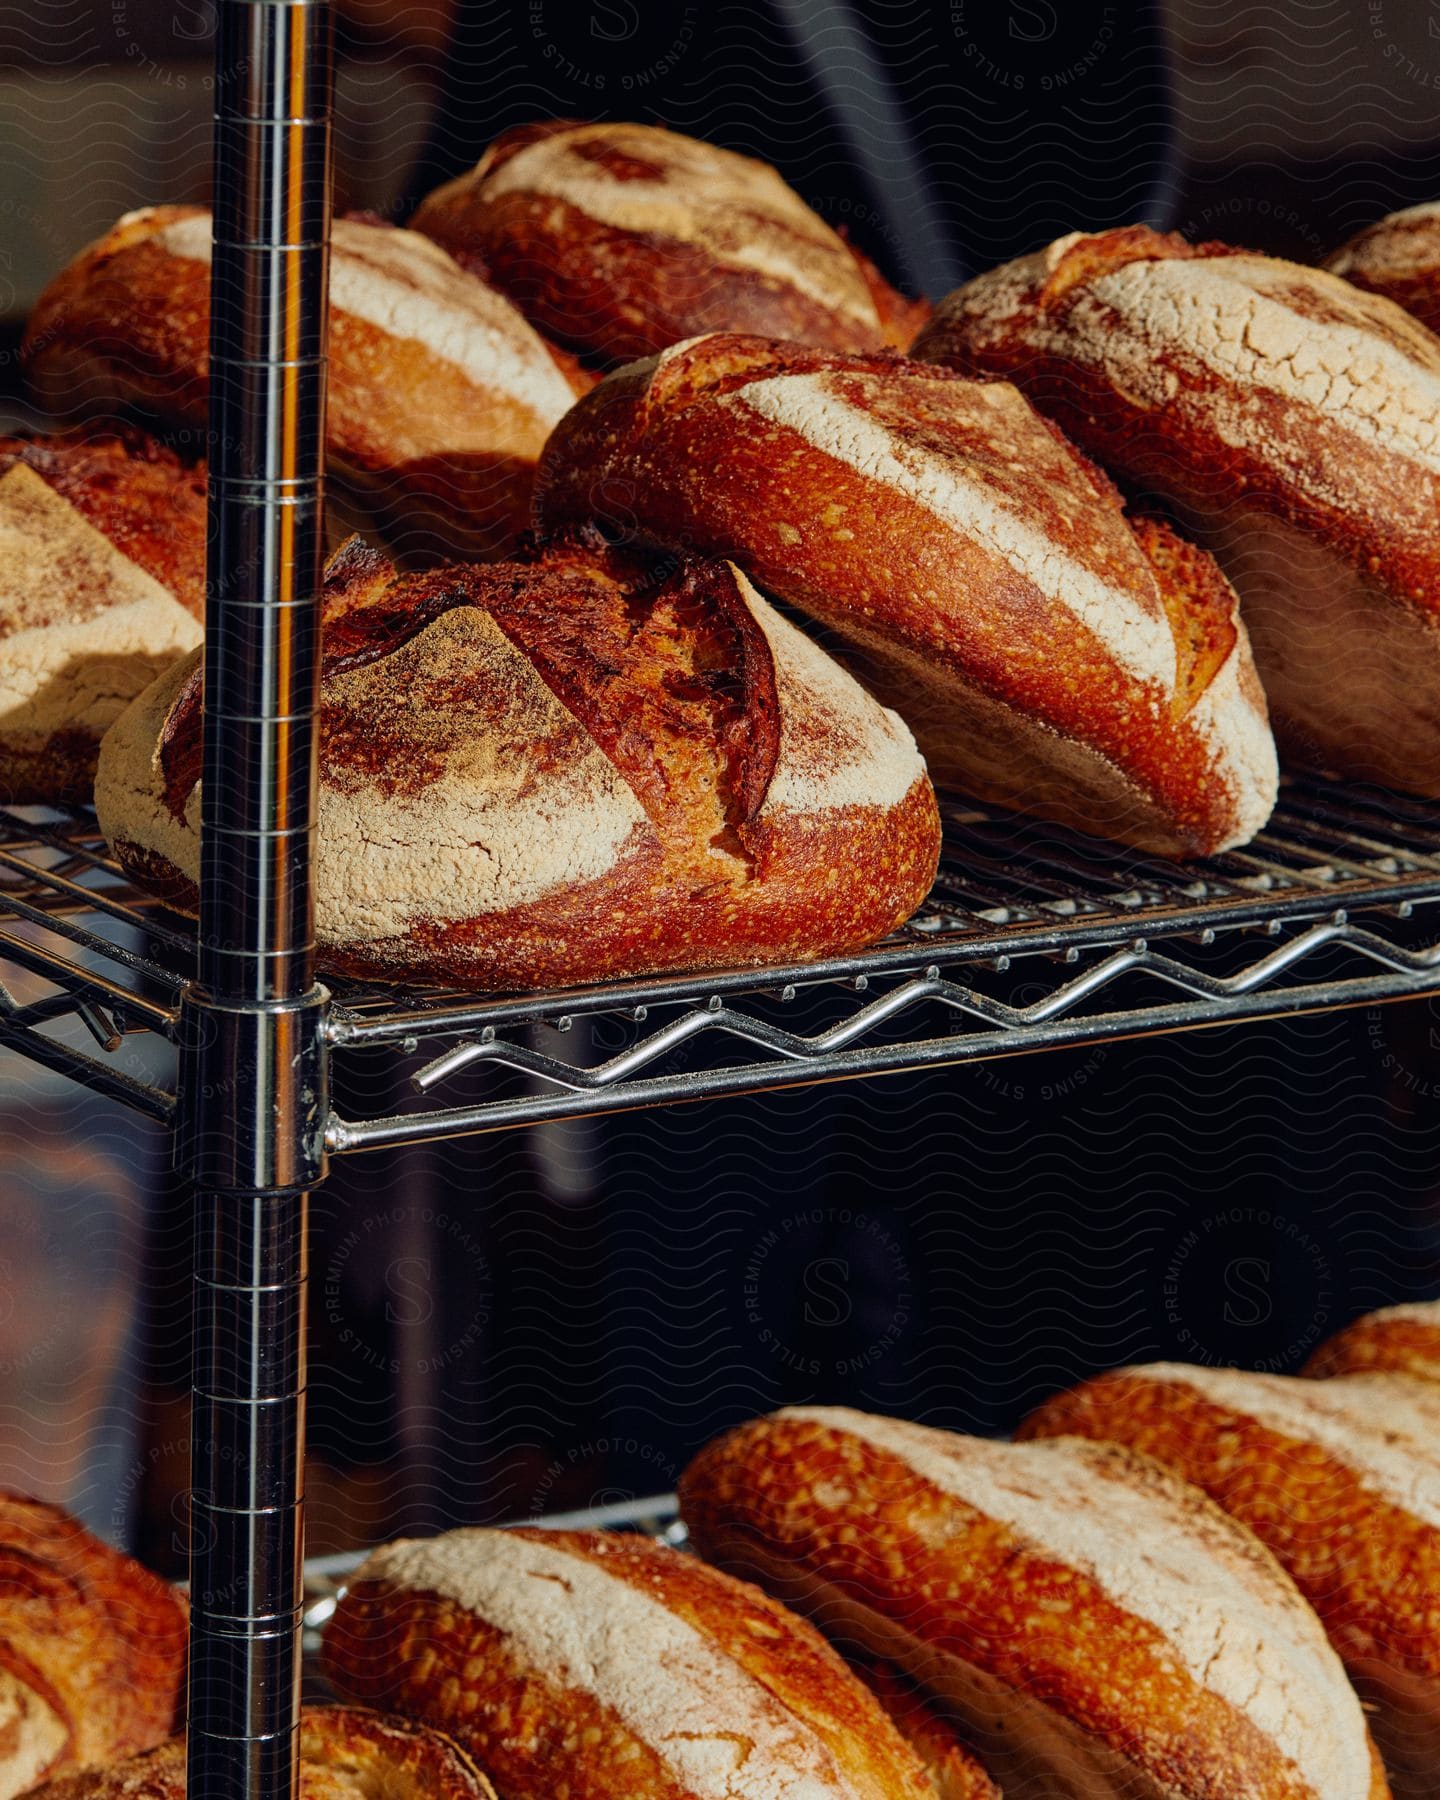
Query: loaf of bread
1398,257
614,1668
1403,1340
1097,1626
580,767
620,240
1048,653
102,586
1291,422
92,1648
346,1753
1341,1479
950,1764
440,394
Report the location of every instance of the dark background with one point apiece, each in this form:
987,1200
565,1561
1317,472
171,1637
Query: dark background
559,1317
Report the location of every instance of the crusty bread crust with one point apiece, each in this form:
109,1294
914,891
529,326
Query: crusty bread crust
950,1763
1098,1627
1290,421
582,766
92,1648
1400,1340
619,240
1341,1480
440,394
1047,652
346,1753
612,1668
1398,258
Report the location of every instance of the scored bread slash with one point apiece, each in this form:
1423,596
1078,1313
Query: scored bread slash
1095,1625
580,766
585,1663
1048,652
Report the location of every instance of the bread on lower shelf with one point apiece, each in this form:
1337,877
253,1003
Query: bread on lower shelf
578,767
346,1753
1341,1480
92,1648
613,1667
1405,1340
1048,652
1097,1626
1290,421
1398,257
102,587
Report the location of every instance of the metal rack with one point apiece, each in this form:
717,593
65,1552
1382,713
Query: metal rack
1031,937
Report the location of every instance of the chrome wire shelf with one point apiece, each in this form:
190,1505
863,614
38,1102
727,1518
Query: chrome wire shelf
1031,937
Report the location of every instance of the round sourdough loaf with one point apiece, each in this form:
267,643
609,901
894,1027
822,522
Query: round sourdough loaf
102,586
440,394
565,770
621,239
92,1648
1293,425
346,1753
1047,652
579,1663
1341,1480
1403,1340
1399,258
1098,1628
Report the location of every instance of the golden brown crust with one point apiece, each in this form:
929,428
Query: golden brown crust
346,1753
1291,421
714,242
442,453
1398,258
1402,1340
984,574
687,1672
98,1639
861,1538
952,1766
585,765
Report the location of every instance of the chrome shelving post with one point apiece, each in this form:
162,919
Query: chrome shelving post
252,1096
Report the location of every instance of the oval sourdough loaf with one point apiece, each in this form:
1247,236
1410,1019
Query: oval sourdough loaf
614,1668
1403,1340
584,766
1399,258
1341,1479
621,239
102,586
346,1753
440,394
92,1648
1095,1624
1292,423
1047,652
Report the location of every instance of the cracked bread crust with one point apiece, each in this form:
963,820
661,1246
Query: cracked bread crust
619,240
346,1753
1400,1340
1398,258
1292,424
581,766
440,395
1048,652
604,1666
1098,1626
92,1648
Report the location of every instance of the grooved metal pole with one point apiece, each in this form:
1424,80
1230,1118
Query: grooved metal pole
253,1097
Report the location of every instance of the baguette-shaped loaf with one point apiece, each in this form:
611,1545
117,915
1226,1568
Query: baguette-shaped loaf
614,1669
1097,1627
540,773
92,1648
1291,422
1047,652
1403,1340
346,1753
1399,258
619,240
1341,1479
440,394
102,586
